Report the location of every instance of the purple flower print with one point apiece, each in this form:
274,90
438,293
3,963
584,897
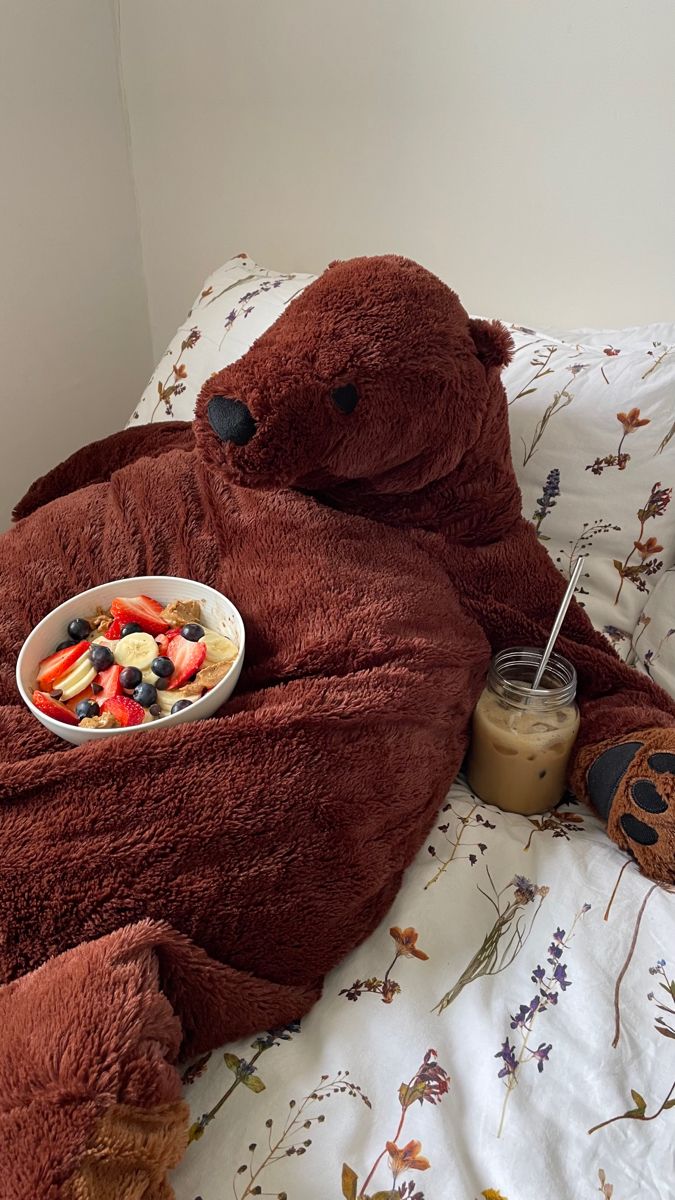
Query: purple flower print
547,500
525,891
507,1052
552,981
525,1013
560,976
540,1055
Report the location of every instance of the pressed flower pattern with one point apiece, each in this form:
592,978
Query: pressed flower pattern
428,1085
648,548
551,983
507,937
289,1139
629,421
405,941
453,831
173,385
666,1027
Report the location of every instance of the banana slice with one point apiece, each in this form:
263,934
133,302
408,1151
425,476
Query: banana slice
218,648
104,641
80,675
150,677
136,650
167,699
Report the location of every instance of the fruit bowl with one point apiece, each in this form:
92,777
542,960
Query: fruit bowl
218,612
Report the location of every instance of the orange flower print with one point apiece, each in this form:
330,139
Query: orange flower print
629,422
405,940
645,549
632,420
428,1085
207,292
655,506
406,1159
180,370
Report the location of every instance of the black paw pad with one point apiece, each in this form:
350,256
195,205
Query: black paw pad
638,831
606,774
646,796
663,764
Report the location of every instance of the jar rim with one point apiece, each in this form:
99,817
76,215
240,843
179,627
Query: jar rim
512,671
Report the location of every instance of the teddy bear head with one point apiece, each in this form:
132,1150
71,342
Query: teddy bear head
374,378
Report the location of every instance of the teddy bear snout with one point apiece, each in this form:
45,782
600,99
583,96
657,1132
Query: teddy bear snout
231,420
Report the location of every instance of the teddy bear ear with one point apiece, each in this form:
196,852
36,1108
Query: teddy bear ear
335,263
494,344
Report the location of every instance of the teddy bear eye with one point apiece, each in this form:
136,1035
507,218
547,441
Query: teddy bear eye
345,398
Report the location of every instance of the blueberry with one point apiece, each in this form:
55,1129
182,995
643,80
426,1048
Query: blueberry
65,645
162,666
130,677
79,629
145,694
87,708
101,657
180,705
130,627
155,710
192,632
162,684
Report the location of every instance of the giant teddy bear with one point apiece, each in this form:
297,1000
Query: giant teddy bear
348,484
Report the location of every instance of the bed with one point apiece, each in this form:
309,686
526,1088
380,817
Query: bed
508,1031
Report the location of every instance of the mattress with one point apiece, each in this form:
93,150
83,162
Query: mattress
508,1031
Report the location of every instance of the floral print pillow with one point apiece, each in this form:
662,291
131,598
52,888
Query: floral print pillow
236,304
592,435
592,425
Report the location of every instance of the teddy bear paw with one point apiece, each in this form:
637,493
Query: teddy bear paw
632,785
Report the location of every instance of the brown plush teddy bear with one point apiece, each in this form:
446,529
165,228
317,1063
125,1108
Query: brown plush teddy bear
349,485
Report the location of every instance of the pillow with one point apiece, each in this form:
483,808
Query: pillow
593,440
652,646
592,429
236,304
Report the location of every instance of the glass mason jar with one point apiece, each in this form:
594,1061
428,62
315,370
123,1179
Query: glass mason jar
521,740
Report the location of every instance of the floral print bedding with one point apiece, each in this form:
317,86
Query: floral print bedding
508,1033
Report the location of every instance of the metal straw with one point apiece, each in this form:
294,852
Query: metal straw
560,617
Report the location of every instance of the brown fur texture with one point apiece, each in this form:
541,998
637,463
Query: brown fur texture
378,558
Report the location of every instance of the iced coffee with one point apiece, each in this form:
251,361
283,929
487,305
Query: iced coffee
522,739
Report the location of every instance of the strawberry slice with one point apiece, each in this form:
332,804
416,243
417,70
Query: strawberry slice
54,708
143,610
56,665
187,657
109,681
164,640
124,709
114,631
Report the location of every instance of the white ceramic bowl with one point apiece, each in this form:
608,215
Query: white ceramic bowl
218,612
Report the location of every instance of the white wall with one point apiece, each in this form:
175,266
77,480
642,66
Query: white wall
74,336
521,148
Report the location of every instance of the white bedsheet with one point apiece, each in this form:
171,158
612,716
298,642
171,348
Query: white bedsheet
478,1068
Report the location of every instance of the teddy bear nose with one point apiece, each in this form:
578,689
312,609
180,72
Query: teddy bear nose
231,420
